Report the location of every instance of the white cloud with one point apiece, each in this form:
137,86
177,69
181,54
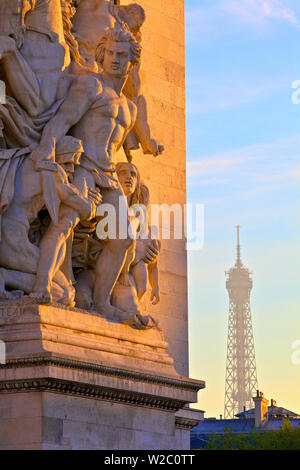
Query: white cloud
205,96
208,166
260,167
260,11
295,173
214,19
280,150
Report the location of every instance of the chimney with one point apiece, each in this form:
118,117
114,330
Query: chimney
273,402
261,408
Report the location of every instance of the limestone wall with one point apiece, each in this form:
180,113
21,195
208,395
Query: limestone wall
47,421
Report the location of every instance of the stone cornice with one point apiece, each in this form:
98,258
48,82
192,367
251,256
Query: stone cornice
67,387
180,383
186,423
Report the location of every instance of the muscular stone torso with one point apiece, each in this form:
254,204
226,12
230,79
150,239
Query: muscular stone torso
104,128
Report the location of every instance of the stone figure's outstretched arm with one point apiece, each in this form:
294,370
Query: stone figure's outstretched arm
21,79
133,113
143,132
80,97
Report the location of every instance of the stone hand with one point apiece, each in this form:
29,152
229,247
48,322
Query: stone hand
155,297
154,148
152,252
95,196
91,214
7,46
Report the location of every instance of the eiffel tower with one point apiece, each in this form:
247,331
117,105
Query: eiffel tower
241,376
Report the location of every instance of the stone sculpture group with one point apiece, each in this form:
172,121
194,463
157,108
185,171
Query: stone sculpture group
73,99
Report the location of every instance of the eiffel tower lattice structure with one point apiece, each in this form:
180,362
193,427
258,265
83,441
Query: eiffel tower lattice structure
241,375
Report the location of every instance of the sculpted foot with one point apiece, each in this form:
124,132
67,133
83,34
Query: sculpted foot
110,311
139,321
42,296
83,301
146,322
134,319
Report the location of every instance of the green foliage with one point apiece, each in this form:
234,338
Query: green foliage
286,438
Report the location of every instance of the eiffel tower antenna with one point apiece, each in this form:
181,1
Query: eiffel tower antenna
238,258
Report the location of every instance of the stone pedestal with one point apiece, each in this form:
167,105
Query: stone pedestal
73,380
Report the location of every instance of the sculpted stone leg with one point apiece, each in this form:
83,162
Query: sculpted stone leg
23,283
108,269
124,276
110,262
16,251
52,253
140,275
85,281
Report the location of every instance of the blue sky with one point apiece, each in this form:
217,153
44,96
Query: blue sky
243,147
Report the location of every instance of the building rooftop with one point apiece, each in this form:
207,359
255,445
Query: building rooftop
219,426
273,412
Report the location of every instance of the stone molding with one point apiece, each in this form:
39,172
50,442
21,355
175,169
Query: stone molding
188,418
51,382
185,423
90,391
181,383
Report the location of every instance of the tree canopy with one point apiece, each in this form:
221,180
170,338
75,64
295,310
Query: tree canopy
286,438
